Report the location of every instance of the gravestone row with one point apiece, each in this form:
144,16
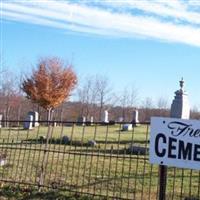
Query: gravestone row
105,120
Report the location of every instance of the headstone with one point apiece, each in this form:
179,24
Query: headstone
92,143
35,118
105,117
91,120
135,120
3,159
42,138
28,124
65,139
1,117
138,150
81,121
121,119
180,106
127,127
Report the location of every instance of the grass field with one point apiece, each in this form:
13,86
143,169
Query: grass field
106,169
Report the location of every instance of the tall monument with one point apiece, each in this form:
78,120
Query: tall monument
180,107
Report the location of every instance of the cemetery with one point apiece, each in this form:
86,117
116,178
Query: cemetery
93,105
101,159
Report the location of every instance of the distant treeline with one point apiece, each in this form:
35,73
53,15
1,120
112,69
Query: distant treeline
91,97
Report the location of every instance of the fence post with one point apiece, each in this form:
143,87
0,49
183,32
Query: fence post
162,181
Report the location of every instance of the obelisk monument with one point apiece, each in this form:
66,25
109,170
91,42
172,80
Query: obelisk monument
180,107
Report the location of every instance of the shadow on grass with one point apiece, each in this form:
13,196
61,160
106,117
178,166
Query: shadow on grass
79,143
12,192
139,151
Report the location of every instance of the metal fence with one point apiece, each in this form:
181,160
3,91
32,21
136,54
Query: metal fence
95,159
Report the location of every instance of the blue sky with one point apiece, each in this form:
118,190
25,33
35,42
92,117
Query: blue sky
147,44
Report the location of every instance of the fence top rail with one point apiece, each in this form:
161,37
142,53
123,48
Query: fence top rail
76,122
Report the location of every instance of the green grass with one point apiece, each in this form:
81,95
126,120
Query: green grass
106,169
13,192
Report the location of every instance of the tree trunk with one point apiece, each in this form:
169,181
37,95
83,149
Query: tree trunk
18,115
45,157
49,115
46,148
61,115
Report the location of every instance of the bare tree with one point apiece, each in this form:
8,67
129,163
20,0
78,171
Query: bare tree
162,107
147,106
128,100
162,103
87,96
103,90
9,95
124,101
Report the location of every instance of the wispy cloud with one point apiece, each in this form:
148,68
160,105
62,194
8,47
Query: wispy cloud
173,21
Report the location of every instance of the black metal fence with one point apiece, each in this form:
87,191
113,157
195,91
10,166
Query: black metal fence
95,159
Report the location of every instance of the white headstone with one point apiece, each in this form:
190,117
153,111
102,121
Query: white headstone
35,118
105,117
1,117
91,119
2,162
28,124
84,120
180,106
121,119
127,127
135,117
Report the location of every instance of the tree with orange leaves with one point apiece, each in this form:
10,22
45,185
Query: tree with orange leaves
50,84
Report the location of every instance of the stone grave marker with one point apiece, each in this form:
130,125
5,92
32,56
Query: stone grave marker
138,150
91,120
121,119
105,117
91,143
135,120
65,139
28,124
180,107
127,127
3,160
1,117
35,118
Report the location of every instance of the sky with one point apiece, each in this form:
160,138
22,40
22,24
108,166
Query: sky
149,45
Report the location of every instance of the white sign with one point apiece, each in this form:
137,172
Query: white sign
175,142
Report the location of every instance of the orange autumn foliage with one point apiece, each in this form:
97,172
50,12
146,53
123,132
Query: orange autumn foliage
50,84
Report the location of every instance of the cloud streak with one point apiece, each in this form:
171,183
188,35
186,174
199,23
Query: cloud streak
160,20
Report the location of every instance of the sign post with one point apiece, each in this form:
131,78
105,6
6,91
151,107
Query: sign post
162,182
